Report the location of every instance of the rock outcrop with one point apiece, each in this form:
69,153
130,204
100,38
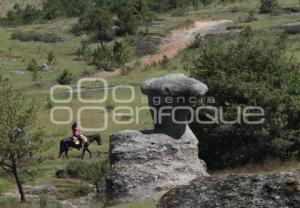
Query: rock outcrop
169,100
147,164
247,191
291,28
291,10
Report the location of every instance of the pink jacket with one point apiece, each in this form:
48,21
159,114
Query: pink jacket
76,132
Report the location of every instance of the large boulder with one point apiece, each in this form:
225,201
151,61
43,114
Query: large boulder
146,164
268,191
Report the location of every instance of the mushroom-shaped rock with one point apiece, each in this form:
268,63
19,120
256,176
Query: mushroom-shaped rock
170,98
174,85
147,164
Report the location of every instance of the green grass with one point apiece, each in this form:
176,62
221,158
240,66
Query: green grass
5,185
68,189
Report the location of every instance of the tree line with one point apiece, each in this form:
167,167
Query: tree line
132,10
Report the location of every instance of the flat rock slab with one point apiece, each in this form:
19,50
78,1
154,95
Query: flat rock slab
291,28
174,85
145,165
280,190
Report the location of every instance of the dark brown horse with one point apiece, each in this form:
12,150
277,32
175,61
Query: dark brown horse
66,143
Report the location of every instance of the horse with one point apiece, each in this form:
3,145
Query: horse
66,143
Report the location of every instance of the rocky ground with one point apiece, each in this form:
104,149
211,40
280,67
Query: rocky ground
279,190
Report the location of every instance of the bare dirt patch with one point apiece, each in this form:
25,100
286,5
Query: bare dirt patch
179,39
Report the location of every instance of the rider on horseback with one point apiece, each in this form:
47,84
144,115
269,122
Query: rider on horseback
77,137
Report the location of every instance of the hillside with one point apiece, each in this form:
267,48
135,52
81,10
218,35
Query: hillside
37,55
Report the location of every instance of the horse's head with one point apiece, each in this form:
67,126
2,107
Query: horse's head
98,139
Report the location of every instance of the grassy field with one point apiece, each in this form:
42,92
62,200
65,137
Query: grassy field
15,55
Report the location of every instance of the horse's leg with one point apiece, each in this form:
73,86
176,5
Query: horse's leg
83,152
89,151
60,155
61,149
66,153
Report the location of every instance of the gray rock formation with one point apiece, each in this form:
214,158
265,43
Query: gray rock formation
38,190
168,98
248,191
291,10
292,28
147,164
45,68
18,73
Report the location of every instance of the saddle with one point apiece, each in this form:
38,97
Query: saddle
76,140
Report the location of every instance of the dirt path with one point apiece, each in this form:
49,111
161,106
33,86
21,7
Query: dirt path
177,40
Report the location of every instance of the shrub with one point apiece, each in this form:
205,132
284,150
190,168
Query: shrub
97,20
83,49
128,19
110,105
103,58
146,44
95,172
51,58
36,77
64,78
196,42
251,71
75,168
49,103
50,11
32,66
30,14
165,62
69,8
268,6
251,16
90,171
126,70
120,52
36,36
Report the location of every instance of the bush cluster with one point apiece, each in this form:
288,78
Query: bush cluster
50,9
20,16
268,6
36,36
105,57
91,171
64,78
146,44
249,71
